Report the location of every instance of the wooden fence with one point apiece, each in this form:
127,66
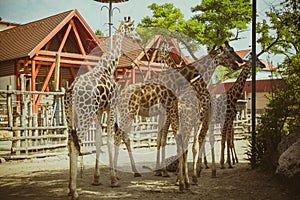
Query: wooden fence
25,134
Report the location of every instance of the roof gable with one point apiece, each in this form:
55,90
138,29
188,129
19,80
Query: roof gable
26,40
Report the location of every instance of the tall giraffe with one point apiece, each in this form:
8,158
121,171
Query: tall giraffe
87,98
204,101
144,98
224,109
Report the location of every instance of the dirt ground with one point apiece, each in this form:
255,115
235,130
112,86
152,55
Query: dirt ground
47,178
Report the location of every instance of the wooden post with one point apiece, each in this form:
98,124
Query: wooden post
24,113
33,76
9,106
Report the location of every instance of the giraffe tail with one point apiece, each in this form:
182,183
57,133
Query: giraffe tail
75,140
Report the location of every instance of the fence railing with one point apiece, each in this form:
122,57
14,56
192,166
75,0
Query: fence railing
27,133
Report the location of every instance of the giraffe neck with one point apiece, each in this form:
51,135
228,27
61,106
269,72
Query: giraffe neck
206,67
170,62
175,79
109,62
237,88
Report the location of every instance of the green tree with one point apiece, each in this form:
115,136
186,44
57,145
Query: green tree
99,32
214,22
169,21
223,19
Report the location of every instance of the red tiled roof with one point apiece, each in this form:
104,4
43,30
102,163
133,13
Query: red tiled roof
20,41
9,23
243,53
27,39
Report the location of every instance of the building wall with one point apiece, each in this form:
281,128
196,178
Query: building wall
7,68
7,80
261,101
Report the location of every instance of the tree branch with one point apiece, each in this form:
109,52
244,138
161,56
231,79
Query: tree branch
269,47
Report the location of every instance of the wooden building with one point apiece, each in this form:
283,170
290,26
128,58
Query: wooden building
52,51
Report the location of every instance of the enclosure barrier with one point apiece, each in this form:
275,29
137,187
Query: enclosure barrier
26,134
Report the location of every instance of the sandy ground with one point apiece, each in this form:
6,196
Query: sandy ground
47,178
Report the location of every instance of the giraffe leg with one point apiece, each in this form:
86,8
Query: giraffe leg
73,154
98,146
128,146
163,144
234,152
186,170
195,157
223,138
204,156
110,123
179,142
234,156
158,142
201,140
212,148
163,158
228,140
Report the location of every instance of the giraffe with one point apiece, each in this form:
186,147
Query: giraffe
164,56
88,97
225,108
203,95
130,100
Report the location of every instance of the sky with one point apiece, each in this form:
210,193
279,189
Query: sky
24,11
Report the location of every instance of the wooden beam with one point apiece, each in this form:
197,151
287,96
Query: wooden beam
73,72
62,44
45,85
37,71
57,72
66,61
52,34
69,55
77,36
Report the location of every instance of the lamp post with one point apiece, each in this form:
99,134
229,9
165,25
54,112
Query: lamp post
253,109
110,14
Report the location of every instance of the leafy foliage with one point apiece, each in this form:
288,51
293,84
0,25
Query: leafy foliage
220,18
99,32
213,23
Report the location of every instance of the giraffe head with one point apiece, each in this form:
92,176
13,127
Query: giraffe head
226,56
127,28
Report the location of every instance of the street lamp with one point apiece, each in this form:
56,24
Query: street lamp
110,13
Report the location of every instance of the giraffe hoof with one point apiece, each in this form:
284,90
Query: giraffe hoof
96,183
165,174
74,195
214,174
181,187
194,180
114,184
187,186
136,174
157,173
